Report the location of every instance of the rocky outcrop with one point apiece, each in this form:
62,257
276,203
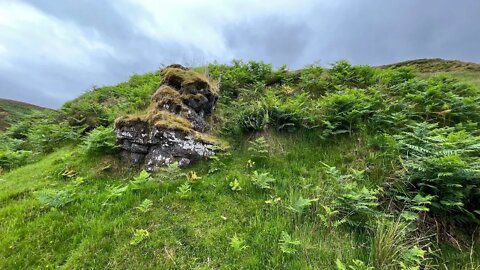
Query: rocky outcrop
174,128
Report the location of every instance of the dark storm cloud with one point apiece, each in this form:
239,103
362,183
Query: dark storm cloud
52,51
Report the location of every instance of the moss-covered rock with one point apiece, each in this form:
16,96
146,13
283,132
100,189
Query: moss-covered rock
173,128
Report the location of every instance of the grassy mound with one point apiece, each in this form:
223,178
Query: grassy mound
351,166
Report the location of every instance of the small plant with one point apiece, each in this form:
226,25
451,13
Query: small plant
78,181
172,171
138,182
300,204
259,148
287,244
54,198
192,176
184,190
273,200
100,140
235,185
414,206
114,192
357,205
262,180
10,159
139,236
215,164
394,247
250,164
253,117
329,217
144,206
237,244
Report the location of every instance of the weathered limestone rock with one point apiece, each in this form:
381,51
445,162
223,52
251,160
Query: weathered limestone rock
174,128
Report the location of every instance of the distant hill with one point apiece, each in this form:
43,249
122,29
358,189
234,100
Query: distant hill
11,111
438,65
426,68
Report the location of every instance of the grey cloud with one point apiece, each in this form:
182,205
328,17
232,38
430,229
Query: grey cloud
100,15
361,31
379,32
272,40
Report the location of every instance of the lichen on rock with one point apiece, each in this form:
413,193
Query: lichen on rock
174,127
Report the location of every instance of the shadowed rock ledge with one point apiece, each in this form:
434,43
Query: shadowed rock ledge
174,127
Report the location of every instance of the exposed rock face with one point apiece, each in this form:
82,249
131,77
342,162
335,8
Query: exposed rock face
174,128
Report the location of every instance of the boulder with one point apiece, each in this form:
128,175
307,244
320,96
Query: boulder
174,127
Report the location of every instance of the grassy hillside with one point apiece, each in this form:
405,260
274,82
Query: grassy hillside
350,167
12,111
425,68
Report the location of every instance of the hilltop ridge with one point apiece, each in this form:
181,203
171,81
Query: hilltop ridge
429,65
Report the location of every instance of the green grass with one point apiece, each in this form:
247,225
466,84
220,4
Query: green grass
11,111
188,233
472,77
194,229
426,68
184,233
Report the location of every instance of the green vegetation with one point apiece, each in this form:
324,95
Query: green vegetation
13,111
347,167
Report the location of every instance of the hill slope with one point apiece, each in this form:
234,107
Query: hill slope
355,166
466,71
12,111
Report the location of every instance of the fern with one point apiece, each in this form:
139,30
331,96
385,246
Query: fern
114,192
300,204
262,180
184,190
139,236
55,198
442,164
100,140
237,244
144,206
287,244
139,182
259,147
171,172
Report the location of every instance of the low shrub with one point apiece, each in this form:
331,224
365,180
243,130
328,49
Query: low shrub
443,164
348,110
239,75
312,81
253,117
100,140
46,136
344,74
55,198
13,158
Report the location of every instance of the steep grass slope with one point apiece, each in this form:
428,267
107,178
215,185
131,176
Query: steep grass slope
324,170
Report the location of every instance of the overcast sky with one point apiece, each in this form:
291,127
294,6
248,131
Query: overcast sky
53,50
